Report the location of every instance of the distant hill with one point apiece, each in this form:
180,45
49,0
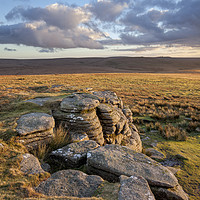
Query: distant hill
99,65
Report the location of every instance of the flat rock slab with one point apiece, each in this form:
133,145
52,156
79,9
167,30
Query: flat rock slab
79,102
74,154
70,183
30,164
39,101
134,188
34,122
112,161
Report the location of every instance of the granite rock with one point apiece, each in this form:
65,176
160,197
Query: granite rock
30,164
35,129
72,155
70,183
112,161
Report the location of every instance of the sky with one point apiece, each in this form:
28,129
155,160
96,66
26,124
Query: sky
93,28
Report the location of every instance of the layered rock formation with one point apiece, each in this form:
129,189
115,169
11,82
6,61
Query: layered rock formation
101,116
35,129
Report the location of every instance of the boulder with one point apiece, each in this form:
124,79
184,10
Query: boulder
34,122
70,183
134,188
72,155
30,164
175,193
112,161
39,101
35,129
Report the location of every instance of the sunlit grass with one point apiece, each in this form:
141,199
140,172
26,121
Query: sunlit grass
158,101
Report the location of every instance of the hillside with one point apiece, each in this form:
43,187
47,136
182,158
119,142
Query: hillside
99,65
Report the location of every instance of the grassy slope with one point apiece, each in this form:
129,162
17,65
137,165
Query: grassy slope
161,97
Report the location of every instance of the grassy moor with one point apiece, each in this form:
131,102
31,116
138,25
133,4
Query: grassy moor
165,107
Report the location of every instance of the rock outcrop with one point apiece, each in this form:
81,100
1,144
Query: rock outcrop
73,155
134,188
101,116
35,129
70,183
30,164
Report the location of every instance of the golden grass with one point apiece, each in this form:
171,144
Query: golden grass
159,99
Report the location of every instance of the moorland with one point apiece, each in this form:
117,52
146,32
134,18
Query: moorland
164,100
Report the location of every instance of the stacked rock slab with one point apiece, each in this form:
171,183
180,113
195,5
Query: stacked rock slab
35,129
101,115
77,112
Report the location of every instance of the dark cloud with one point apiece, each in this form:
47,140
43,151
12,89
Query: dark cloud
8,49
162,22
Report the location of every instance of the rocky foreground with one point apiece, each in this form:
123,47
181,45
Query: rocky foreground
104,141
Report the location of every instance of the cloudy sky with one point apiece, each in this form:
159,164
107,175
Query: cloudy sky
83,28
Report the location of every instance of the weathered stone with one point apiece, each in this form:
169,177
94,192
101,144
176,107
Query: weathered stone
34,122
100,116
154,154
79,102
113,116
46,167
78,137
104,108
175,193
134,188
133,141
127,112
109,97
70,183
35,129
30,164
73,155
111,161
